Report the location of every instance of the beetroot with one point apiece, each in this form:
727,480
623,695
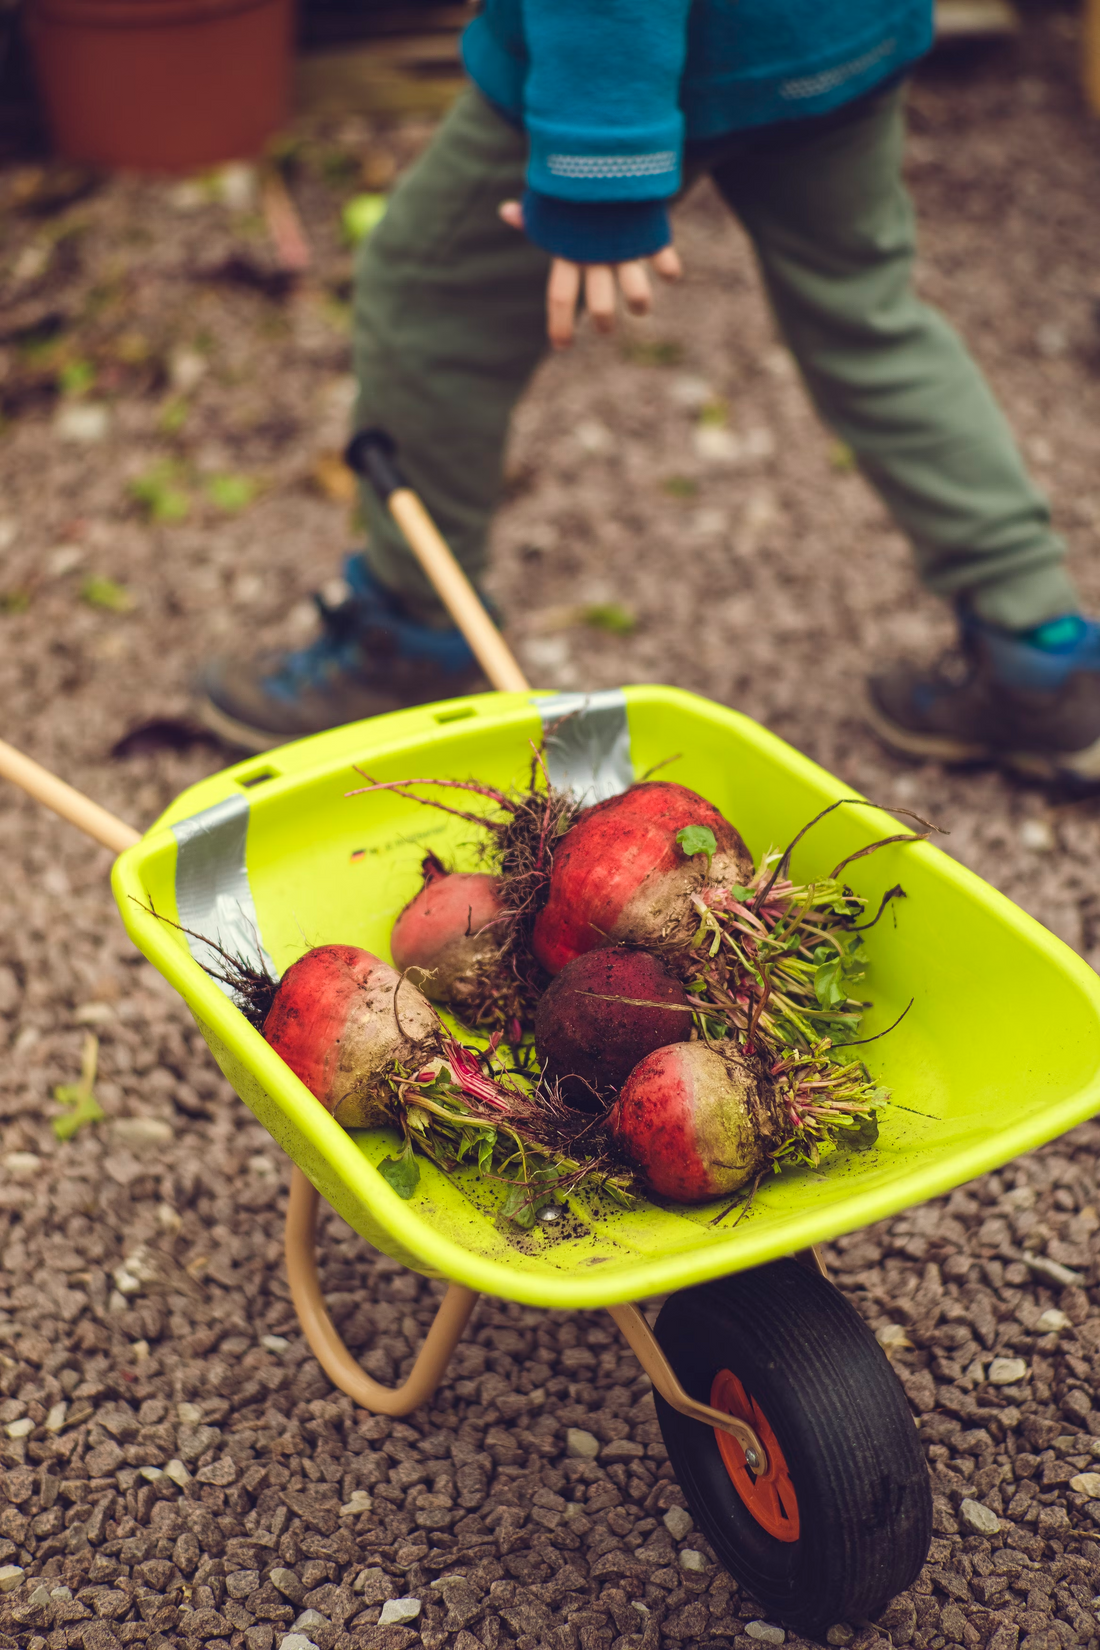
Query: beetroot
455,930
621,877
697,1121
590,1044
343,1021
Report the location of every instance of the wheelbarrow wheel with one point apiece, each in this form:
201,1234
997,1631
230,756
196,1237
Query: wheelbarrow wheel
841,1519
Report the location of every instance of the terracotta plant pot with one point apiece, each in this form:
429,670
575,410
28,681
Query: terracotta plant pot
161,85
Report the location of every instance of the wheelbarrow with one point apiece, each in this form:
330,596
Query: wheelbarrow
783,1420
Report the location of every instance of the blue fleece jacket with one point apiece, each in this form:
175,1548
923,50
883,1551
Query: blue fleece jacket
609,93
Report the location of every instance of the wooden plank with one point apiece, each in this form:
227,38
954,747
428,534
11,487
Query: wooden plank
975,19
408,75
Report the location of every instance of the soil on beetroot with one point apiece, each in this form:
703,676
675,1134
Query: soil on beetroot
144,1315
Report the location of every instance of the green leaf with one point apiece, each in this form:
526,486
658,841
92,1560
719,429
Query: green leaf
610,616
519,1206
159,492
858,1136
80,1096
98,591
402,1173
76,377
698,839
360,215
86,1109
231,493
485,1150
827,983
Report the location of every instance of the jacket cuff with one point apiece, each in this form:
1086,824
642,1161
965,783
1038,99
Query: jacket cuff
596,232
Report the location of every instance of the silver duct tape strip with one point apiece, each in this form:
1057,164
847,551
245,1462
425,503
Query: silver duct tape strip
588,752
213,893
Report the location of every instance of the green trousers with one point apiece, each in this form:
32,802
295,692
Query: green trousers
450,324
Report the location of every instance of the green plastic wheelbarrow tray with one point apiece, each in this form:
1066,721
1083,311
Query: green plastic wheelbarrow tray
999,1051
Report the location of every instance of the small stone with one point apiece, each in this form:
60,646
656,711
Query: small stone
765,1632
840,1634
188,1415
1006,1371
143,1131
287,1583
308,1619
642,1609
185,368
892,1338
221,1473
10,1577
21,1165
358,1502
168,1219
581,1446
239,1583
374,1584
262,1165
978,1519
398,1610
151,1473
20,1429
1037,835
1052,1321
1087,1483
296,1641
716,445
55,1420
40,1597
678,1522
178,1473
691,1560
139,1351
84,421
117,1302
274,1343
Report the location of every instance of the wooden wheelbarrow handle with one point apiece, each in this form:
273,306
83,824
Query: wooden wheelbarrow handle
62,799
372,454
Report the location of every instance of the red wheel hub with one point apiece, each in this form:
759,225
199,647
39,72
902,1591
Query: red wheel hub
769,1496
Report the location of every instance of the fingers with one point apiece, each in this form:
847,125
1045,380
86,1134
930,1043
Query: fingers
512,213
599,296
667,263
562,291
634,284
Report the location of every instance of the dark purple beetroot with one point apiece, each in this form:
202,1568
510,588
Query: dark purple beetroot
591,1045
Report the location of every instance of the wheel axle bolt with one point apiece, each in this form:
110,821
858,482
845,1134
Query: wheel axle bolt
752,1460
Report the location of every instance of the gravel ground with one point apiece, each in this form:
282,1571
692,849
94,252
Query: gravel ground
176,1467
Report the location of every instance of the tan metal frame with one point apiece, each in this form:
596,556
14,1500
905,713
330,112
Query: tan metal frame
446,1332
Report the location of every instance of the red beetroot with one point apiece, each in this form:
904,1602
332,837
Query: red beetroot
455,929
696,1123
591,1045
343,1020
621,878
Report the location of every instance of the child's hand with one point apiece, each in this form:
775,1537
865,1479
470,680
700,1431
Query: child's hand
564,286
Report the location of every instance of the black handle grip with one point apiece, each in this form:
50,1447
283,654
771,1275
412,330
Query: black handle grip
373,455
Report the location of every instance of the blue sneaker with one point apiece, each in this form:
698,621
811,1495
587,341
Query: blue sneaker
368,659
1027,700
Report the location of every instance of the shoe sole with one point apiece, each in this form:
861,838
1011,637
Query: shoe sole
239,733
1082,766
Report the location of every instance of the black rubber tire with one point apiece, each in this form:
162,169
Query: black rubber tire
842,1421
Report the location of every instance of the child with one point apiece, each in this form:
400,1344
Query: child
554,174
